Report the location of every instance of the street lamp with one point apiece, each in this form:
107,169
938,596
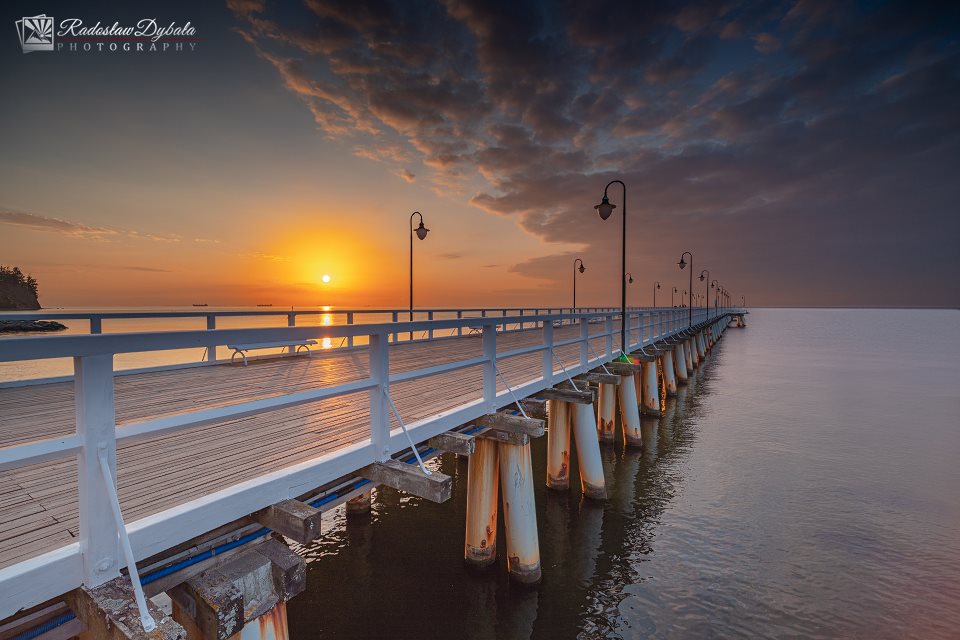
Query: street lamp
421,232
743,301
605,209
672,304
714,285
683,264
581,269
657,286
629,278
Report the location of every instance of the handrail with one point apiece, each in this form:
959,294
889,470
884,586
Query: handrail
44,347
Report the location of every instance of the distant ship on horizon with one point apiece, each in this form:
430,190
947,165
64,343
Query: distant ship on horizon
202,304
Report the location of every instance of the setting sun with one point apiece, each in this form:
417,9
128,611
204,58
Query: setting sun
325,278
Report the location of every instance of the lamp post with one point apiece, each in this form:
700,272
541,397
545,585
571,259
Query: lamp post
581,269
672,303
685,296
656,286
743,301
714,285
421,232
605,209
683,264
706,287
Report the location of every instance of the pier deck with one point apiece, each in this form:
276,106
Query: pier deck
38,503
198,446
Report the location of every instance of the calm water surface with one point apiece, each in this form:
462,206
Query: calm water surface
806,484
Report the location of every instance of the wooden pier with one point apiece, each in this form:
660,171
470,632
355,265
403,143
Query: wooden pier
197,451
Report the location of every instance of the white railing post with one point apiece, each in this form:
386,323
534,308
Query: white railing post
460,328
608,347
211,348
396,334
489,343
96,325
379,409
548,352
430,331
350,321
291,322
584,343
96,426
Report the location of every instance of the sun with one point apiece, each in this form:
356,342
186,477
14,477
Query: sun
325,278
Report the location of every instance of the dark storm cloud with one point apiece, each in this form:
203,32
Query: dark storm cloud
826,134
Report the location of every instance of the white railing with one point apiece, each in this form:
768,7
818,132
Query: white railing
97,556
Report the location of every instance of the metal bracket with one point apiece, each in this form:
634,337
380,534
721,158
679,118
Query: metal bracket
512,394
594,354
564,369
149,624
413,447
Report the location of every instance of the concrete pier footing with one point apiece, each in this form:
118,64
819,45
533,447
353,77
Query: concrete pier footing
109,612
483,482
588,452
650,389
558,445
360,505
629,412
519,513
606,405
680,363
668,373
243,599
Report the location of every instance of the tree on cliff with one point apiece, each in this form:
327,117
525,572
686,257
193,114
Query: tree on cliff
14,276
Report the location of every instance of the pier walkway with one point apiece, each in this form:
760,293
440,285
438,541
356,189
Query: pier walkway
196,447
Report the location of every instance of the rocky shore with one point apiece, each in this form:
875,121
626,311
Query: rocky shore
24,326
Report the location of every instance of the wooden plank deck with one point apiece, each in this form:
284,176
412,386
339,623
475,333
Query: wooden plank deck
38,504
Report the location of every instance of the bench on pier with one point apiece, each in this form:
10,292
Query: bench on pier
242,349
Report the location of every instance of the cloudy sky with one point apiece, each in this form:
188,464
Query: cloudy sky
806,152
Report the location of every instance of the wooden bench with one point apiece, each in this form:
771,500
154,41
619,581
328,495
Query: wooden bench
242,349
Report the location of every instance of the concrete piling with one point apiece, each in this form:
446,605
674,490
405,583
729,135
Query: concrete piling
679,363
483,482
109,612
360,505
588,452
558,445
629,411
650,390
243,599
606,406
519,513
688,355
669,376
